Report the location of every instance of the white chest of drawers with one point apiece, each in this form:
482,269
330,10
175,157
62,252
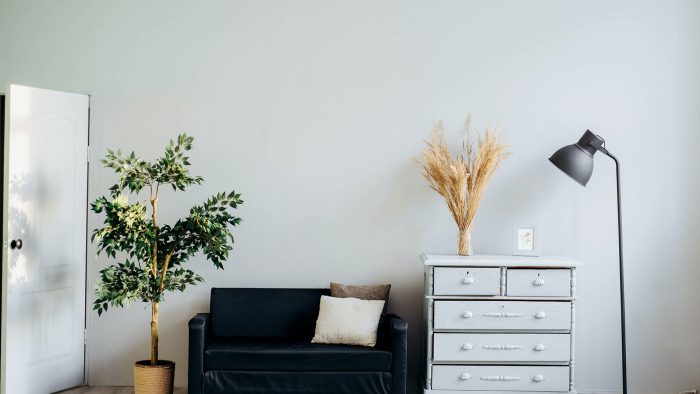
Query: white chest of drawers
499,324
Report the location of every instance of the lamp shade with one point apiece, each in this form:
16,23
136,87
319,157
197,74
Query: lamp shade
576,160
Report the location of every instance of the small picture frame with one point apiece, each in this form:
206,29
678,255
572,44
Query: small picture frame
526,239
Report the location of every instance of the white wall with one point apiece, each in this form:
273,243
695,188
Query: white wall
314,111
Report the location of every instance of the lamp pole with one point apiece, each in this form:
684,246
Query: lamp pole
622,272
577,161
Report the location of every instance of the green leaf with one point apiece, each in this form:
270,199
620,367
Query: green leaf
128,229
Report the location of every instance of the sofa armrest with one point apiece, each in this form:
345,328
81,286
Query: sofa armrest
199,335
396,333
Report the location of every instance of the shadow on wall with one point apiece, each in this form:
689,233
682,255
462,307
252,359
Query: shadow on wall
410,196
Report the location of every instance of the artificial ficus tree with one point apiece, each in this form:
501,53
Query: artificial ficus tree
154,254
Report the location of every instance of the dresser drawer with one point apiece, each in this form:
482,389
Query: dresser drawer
538,282
500,378
502,315
502,347
466,281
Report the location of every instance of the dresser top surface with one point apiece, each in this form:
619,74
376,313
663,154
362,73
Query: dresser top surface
498,261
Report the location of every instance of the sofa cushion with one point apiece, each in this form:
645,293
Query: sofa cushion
278,354
289,313
259,382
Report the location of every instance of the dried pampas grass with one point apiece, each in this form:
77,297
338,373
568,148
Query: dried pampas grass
461,180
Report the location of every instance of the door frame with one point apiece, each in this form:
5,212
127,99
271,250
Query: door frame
87,239
3,215
3,271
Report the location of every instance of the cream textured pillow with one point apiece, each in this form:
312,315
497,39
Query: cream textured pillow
348,321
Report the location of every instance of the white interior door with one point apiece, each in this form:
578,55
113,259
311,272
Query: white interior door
44,240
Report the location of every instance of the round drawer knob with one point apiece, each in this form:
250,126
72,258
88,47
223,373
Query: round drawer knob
540,315
466,346
539,347
465,376
538,282
538,378
468,280
467,314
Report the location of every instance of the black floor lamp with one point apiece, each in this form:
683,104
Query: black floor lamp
576,161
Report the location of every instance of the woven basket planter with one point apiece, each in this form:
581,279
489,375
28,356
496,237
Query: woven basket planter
154,379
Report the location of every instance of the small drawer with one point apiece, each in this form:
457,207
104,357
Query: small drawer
500,378
466,281
538,282
501,347
502,315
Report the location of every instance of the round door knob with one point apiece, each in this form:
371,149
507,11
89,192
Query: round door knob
16,244
467,314
538,282
540,315
539,347
468,280
465,376
466,346
538,378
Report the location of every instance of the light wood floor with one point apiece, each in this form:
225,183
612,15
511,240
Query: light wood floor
110,390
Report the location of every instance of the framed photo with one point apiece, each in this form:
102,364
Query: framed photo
526,239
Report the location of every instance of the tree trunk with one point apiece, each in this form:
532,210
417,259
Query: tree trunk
154,333
465,243
154,270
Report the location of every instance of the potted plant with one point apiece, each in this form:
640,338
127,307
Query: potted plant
154,254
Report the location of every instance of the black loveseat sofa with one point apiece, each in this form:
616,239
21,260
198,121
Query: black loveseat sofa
259,341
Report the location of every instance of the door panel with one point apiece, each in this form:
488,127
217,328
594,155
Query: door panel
44,280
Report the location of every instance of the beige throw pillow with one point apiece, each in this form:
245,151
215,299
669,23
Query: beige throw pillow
379,292
348,321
